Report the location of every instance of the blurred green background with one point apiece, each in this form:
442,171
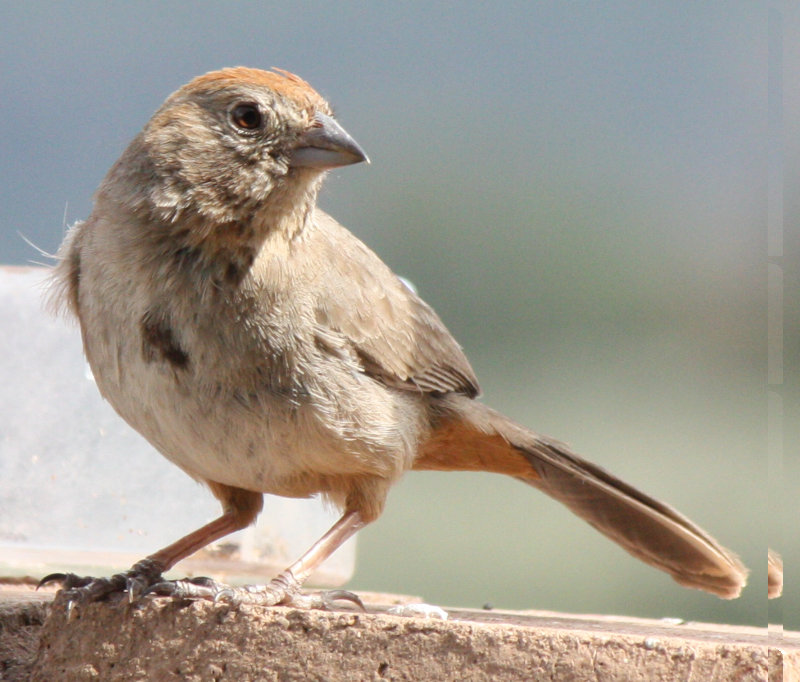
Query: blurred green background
582,190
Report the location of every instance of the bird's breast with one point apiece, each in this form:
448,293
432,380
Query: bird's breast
242,395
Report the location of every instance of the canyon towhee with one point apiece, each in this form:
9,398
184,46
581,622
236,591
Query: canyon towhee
262,348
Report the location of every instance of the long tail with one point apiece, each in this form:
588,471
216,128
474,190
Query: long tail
472,437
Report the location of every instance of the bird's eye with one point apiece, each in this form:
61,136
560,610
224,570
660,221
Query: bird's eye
246,117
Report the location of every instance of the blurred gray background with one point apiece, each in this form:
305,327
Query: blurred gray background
580,190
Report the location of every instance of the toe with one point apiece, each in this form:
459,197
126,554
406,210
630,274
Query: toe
204,588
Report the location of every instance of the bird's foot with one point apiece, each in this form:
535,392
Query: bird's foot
284,590
79,590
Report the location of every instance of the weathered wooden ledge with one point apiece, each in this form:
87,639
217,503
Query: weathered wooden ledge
163,640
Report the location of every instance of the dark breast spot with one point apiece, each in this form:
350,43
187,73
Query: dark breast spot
234,264
158,342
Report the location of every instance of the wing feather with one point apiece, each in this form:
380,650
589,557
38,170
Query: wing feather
396,336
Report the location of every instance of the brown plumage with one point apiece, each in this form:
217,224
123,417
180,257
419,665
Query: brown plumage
261,347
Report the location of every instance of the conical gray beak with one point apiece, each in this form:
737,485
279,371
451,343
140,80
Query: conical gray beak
326,145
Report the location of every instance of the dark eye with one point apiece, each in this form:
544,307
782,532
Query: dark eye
246,117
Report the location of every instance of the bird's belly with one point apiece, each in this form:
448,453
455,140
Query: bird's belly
264,442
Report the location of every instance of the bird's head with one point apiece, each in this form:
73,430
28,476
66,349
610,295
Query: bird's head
233,145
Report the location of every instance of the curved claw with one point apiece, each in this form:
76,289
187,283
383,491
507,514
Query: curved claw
136,588
52,578
332,596
67,580
227,595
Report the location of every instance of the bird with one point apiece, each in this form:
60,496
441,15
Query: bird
261,347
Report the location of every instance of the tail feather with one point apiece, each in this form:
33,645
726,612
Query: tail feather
474,437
